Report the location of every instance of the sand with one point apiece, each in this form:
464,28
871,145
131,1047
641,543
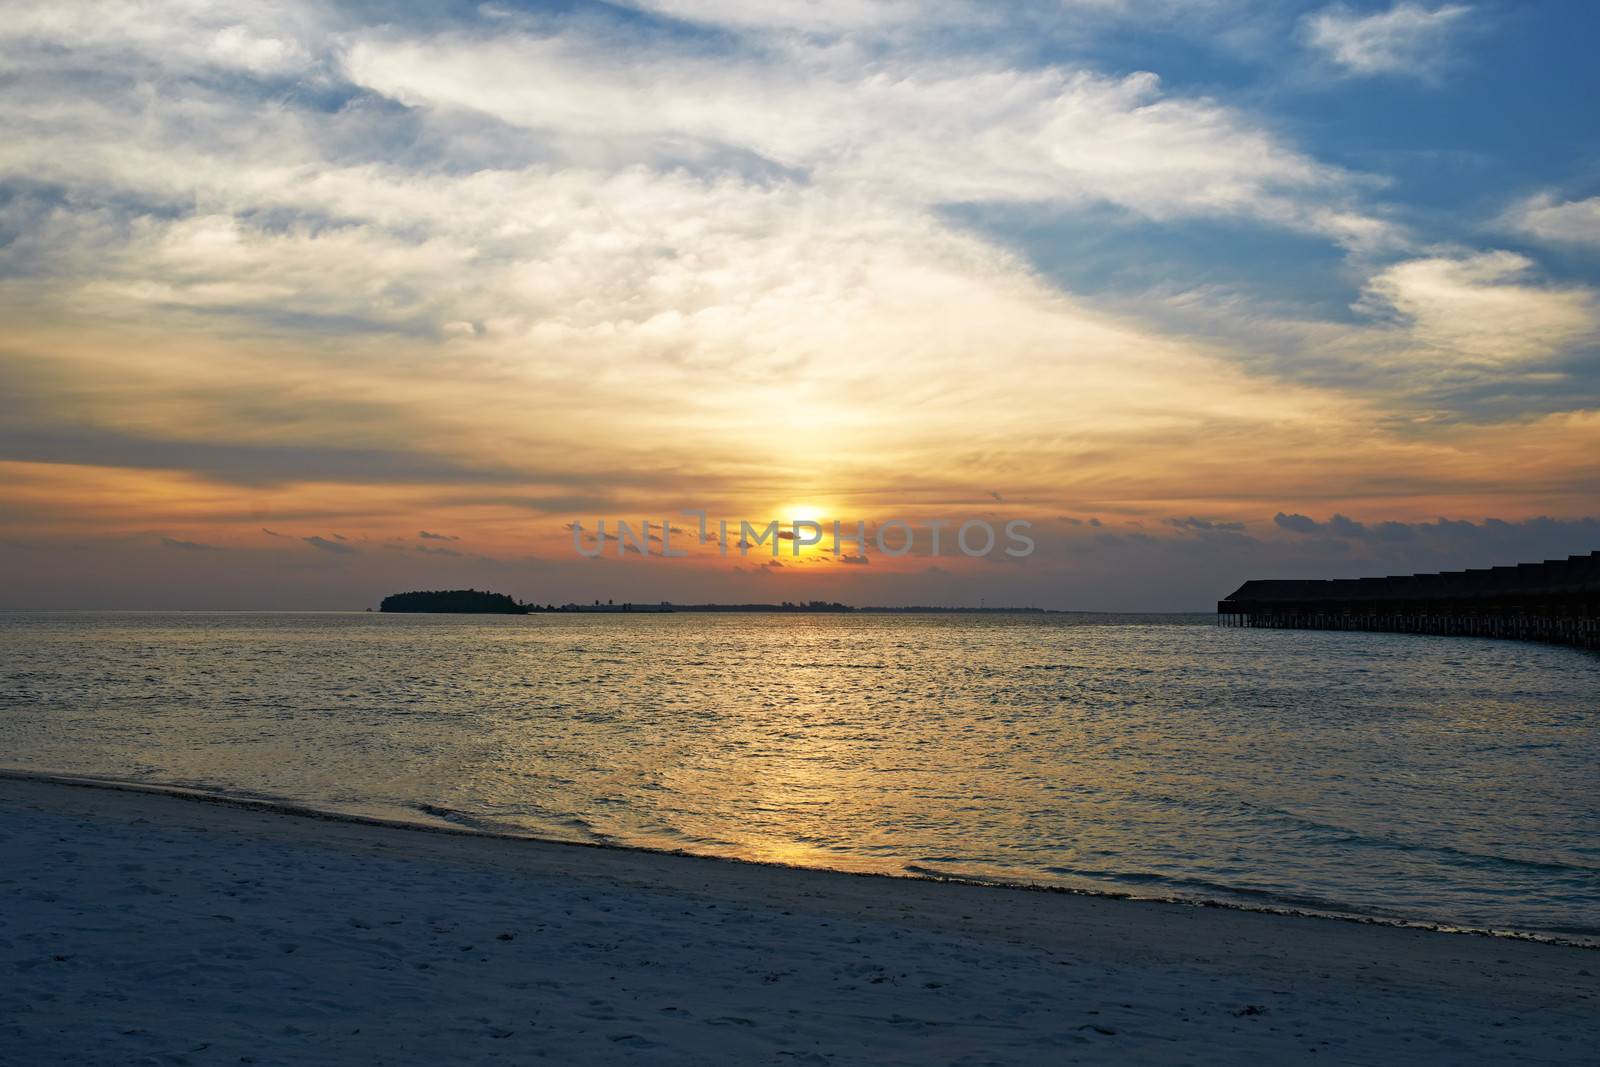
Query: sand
137,927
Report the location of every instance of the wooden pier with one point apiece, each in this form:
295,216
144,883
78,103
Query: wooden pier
1557,601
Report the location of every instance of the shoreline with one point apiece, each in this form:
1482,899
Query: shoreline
278,806
141,925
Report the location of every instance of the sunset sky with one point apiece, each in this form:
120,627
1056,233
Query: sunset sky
309,303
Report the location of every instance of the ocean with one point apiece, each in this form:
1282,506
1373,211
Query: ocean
1447,781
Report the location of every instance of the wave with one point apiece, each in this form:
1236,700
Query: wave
1461,856
1244,898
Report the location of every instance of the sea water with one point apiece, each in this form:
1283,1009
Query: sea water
1442,780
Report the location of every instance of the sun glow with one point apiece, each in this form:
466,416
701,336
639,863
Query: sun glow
799,513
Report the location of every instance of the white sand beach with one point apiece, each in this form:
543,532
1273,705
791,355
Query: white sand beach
137,927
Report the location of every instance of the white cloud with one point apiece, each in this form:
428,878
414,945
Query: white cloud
901,17
1480,311
177,34
808,15
1407,40
911,130
1566,222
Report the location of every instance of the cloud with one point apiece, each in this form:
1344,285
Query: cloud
188,546
811,16
1342,526
1205,525
921,130
68,440
1482,309
223,37
854,560
1295,523
426,536
573,502
1517,541
1156,569
328,546
872,23
1567,222
1408,40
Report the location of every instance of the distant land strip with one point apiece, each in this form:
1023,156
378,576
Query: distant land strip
478,602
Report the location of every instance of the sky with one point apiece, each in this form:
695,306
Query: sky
306,303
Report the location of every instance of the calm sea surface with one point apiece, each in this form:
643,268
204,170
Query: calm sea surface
1448,780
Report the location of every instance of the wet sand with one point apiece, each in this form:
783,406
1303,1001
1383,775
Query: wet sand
139,927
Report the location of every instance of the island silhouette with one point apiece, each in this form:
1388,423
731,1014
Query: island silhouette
455,601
